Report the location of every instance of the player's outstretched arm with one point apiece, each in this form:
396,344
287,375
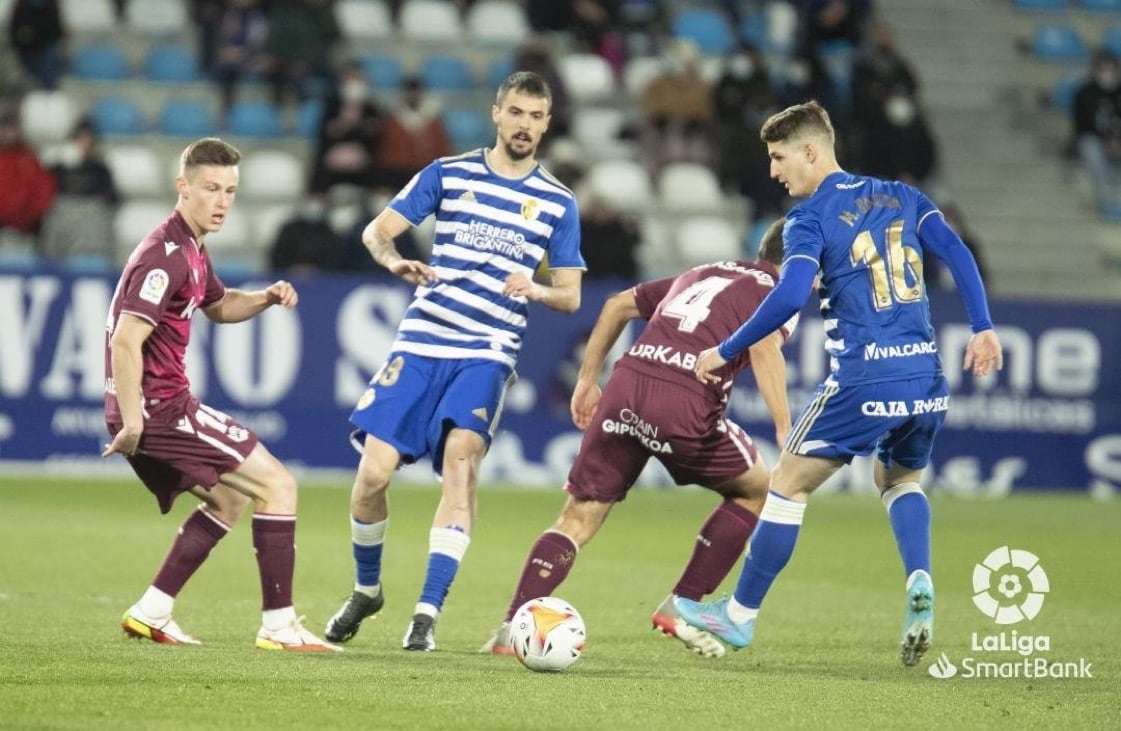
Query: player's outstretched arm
769,367
617,311
563,295
378,237
238,305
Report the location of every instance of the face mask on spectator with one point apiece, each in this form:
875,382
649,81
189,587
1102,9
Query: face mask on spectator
798,73
313,210
1107,78
354,91
741,67
899,110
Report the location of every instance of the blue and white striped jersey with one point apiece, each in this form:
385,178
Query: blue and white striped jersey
487,227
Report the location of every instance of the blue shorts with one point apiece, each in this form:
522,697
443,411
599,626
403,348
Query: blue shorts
897,419
412,403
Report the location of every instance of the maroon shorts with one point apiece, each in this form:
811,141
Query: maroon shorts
187,443
641,417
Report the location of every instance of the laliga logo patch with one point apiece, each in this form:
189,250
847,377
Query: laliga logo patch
1009,585
154,287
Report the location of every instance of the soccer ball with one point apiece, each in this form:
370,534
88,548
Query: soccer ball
547,634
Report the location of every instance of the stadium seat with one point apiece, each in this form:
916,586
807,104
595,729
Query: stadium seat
702,239
383,70
157,17
1102,6
497,71
187,118
707,27
134,219
88,16
175,64
623,182
1062,93
308,116
1040,4
685,186
1111,40
253,119
468,128
136,170
587,76
497,22
266,222
19,258
639,72
364,20
235,240
115,116
271,175
47,117
100,62
597,130
1059,44
446,73
430,20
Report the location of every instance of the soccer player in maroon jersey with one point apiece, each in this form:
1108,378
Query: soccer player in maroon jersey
654,407
176,444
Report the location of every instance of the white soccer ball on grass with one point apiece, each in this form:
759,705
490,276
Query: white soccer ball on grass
547,634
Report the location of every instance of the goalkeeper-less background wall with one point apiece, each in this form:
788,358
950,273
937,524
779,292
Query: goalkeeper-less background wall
1051,419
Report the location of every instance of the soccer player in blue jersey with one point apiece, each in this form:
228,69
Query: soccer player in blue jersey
439,393
886,392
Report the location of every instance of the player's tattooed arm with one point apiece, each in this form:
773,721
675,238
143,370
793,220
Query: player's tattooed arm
378,239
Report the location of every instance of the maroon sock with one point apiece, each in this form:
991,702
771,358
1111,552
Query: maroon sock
199,533
719,545
547,565
274,539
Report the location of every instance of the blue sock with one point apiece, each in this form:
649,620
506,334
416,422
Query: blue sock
367,540
446,548
909,512
770,549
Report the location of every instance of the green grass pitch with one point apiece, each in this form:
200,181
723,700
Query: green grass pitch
74,555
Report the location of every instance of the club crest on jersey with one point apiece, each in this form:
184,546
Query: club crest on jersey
366,399
467,196
154,287
530,209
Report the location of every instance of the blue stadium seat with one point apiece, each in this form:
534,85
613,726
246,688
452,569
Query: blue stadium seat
707,27
1111,40
100,62
1040,4
116,116
383,71
187,118
468,128
175,64
1102,6
308,117
1062,93
498,70
254,119
1058,43
446,73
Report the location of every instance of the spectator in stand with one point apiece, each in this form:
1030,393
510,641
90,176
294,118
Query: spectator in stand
356,257
609,240
306,242
350,133
879,71
87,197
898,143
35,32
743,100
413,136
677,112
1097,129
834,20
239,45
27,189
592,25
536,55
302,37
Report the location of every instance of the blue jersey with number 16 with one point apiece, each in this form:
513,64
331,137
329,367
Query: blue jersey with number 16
864,235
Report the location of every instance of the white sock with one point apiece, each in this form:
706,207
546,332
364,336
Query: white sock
426,608
738,613
155,604
277,619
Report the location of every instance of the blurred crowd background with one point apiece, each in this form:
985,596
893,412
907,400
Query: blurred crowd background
1006,112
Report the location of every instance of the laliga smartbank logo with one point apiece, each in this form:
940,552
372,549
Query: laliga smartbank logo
1009,587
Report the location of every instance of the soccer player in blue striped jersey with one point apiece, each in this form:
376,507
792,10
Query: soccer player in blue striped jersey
885,393
439,393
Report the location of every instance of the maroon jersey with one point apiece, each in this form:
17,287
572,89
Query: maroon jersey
696,310
165,280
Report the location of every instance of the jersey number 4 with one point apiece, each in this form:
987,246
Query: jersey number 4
889,270
693,304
